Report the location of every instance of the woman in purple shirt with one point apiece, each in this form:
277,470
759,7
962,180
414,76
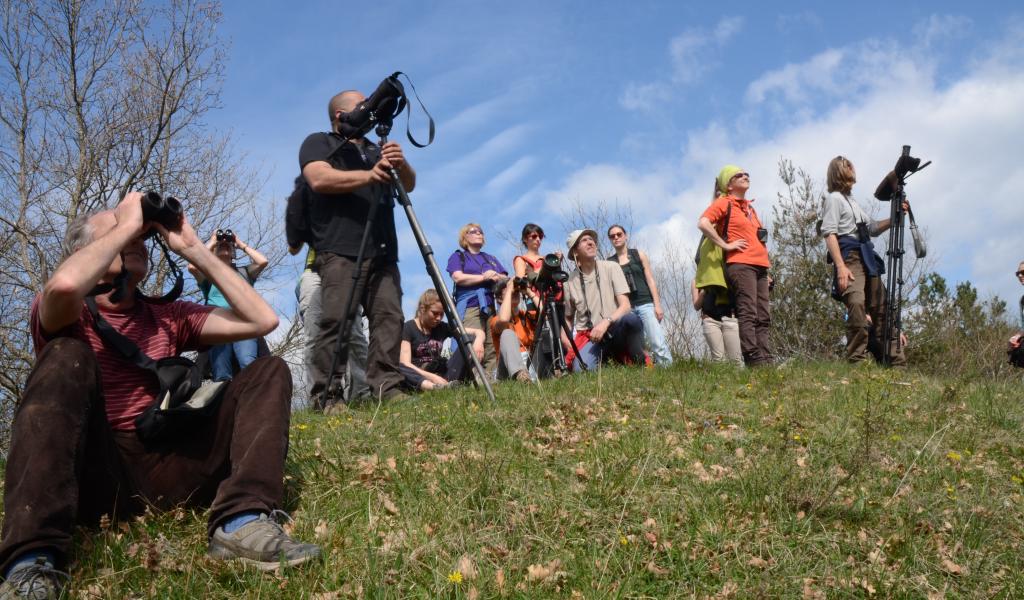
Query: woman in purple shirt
474,273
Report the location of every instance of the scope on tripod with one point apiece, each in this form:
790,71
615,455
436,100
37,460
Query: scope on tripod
384,104
551,272
893,181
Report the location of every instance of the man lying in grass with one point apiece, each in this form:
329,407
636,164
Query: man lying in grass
77,448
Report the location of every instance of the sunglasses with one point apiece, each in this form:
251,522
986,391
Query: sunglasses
474,231
616,235
738,175
534,236
1020,273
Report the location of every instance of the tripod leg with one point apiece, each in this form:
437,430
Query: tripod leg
442,290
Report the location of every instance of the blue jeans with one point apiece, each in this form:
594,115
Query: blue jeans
244,352
654,335
625,338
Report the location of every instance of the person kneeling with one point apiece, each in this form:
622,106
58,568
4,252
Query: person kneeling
77,452
597,303
420,360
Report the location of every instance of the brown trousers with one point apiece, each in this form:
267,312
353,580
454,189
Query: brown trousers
863,297
749,286
66,466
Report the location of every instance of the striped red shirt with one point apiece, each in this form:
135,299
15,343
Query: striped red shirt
159,330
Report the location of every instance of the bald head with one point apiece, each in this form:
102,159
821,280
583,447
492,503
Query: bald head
343,102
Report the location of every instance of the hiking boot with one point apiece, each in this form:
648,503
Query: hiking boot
523,375
37,581
261,543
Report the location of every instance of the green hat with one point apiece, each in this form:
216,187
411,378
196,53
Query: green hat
725,175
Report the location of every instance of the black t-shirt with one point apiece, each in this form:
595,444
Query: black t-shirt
337,221
426,349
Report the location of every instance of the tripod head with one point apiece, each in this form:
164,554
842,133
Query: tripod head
892,184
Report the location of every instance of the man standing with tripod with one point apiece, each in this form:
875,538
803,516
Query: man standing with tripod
346,178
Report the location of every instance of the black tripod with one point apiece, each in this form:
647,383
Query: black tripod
397,189
893,322
549,337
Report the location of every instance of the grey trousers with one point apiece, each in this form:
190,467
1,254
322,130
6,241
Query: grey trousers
510,360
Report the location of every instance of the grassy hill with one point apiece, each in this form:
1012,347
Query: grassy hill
807,480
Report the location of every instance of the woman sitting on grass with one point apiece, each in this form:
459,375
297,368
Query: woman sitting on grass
420,359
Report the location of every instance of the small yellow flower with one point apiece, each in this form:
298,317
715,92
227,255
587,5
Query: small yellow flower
302,426
455,577
623,540
953,456
796,437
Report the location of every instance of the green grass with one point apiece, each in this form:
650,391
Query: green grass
802,481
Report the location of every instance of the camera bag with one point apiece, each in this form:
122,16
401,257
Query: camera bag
182,402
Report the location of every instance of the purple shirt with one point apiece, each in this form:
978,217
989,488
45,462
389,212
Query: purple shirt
474,264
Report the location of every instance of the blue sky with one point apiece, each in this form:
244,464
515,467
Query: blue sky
539,105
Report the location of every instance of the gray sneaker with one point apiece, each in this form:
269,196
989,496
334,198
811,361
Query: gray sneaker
38,581
261,543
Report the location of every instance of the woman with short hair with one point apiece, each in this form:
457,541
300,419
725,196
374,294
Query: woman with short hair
475,273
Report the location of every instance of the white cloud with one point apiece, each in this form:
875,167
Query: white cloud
693,53
864,101
793,22
510,175
611,184
938,28
644,96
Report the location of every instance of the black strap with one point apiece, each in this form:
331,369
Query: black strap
119,342
408,115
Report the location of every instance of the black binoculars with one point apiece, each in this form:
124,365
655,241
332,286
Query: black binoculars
225,235
165,210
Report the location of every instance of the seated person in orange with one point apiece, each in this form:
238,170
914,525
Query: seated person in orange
512,331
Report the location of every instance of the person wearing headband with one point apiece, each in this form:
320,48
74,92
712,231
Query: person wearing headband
732,224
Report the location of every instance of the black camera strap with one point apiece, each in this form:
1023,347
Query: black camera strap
408,116
127,348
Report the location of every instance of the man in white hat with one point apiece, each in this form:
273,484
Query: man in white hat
597,304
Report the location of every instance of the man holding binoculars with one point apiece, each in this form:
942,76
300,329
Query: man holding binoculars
223,243
76,451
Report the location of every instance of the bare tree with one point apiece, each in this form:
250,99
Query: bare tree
98,98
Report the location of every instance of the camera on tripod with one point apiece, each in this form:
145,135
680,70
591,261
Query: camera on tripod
225,235
551,273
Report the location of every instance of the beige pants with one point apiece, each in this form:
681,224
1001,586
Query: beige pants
723,339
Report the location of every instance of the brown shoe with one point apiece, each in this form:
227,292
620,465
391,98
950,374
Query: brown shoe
523,375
